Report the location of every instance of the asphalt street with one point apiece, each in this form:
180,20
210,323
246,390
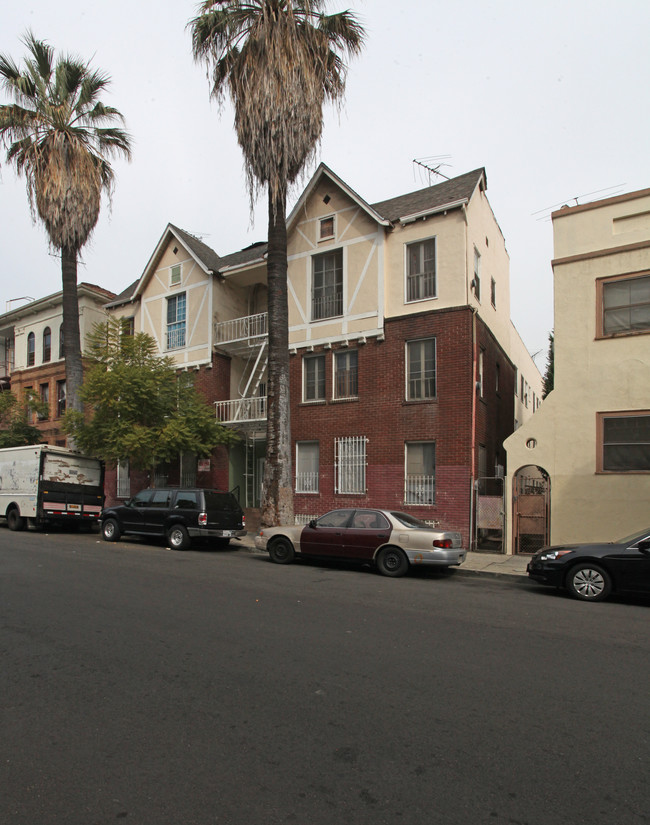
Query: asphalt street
215,688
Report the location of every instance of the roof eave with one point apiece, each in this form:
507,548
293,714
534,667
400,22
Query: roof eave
425,213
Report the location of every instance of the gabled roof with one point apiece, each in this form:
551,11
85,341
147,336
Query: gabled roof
325,171
448,194
204,256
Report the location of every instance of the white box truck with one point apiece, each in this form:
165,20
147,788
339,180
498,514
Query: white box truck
42,484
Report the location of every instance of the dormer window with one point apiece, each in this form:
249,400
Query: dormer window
327,228
175,275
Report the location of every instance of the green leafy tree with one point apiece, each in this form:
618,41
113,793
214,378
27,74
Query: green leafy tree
280,61
139,406
549,375
59,136
16,429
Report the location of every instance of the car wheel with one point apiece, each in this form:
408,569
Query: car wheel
281,551
110,530
14,520
178,537
392,562
589,582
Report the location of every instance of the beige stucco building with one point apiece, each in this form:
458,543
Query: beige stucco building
580,469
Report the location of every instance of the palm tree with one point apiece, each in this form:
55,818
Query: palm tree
280,60
58,134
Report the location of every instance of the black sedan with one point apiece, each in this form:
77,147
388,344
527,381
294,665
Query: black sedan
593,571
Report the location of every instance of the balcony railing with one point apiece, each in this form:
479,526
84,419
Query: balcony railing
248,330
241,410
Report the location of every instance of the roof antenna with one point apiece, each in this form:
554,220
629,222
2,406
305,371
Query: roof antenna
432,165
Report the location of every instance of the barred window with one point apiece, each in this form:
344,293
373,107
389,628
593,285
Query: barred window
420,476
350,464
307,461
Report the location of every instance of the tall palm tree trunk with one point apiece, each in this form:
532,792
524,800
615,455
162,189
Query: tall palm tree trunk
71,335
277,505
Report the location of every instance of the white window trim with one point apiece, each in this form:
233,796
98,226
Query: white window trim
433,297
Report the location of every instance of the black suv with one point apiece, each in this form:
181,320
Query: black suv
181,514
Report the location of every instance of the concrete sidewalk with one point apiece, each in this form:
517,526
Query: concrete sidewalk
476,564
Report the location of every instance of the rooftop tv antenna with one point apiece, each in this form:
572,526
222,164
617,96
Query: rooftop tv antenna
611,191
432,166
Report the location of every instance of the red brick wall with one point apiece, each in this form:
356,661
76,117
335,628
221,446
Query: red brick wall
382,414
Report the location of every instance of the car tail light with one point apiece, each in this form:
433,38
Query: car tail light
243,521
203,519
442,543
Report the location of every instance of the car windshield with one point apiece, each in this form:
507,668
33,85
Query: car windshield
409,521
634,537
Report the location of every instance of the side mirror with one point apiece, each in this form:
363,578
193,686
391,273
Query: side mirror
644,546
312,524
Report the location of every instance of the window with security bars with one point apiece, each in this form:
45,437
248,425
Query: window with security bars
307,466
327,285
350,464
625,443
420,476
421,270
625,305
176,320
421,369
346,383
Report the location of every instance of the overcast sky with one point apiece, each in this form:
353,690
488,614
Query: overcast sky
550,97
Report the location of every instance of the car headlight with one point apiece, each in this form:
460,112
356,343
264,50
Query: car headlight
551,555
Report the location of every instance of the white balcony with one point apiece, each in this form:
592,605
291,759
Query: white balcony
241,334
241,411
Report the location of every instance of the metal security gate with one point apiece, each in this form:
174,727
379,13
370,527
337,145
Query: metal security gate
530,508
489,533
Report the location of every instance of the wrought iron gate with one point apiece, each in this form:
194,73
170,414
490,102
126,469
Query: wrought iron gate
489,531
530,507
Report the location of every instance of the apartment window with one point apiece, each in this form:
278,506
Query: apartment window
624,442
128,326
625,305
61,343
421,369
480,383
31,349
307,463
327,285
314,378
47,344
123,479
44,392
176,318
327,228
346,383
420,473
493,292
350,464
421,270
476,283
175,275
60,398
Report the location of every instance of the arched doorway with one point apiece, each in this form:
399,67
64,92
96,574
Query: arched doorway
531,509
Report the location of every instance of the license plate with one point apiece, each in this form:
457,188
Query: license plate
74,507
227,533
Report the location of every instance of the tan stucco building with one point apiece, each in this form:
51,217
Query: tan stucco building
580,469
